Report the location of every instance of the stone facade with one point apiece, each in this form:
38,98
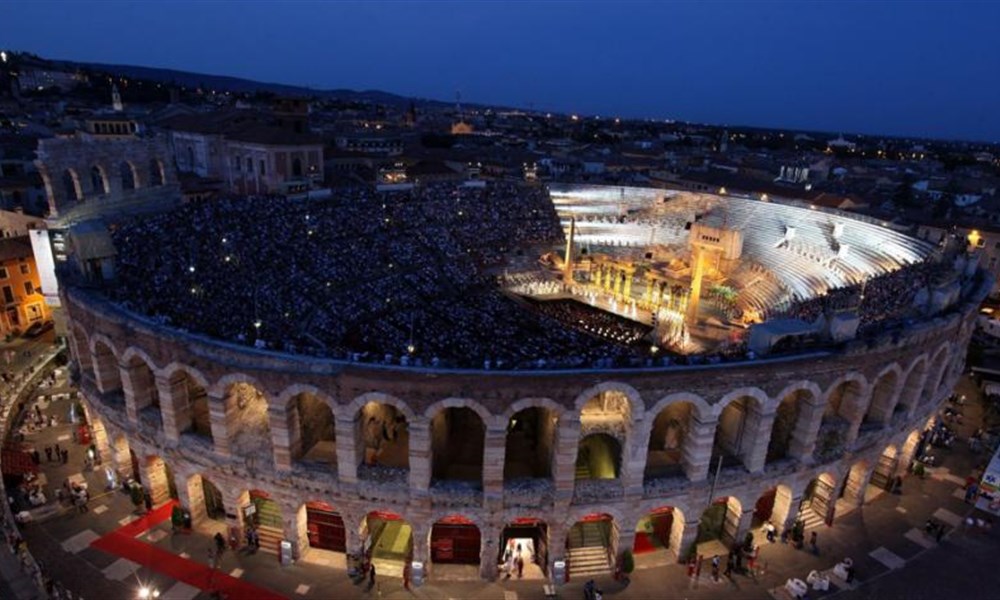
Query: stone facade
840,411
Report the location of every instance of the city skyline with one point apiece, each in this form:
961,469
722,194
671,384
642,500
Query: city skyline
931,63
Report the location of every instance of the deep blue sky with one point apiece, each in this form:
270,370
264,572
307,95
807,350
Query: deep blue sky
901,68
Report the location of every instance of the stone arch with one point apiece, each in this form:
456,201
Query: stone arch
886,469
913,383
844,407
938,371
775,505
282,399
820,497
71,185
99,183
157,174
381,433
304,426
246,416
721,521
884,395
659,529
187,389
354,408
142,397
635,403
792,432
531,439
670,442
856,482
458,439
738,428
105,362
456,537
129,175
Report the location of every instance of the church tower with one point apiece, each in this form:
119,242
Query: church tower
116,99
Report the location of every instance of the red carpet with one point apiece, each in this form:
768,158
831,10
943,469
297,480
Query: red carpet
122,542
643,544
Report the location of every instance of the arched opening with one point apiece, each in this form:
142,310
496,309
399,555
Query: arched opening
605,423
734,438
658,536
207,508
884,476
458,437
190,402
106,374
265,518
880,409
909,449
909,397
530,444
788,431
856,483
841,411
98,182
389,539
818,501
160,480
312,430
383,435
128,175
297,167
530,537
121,455
940,369
144,395
71,185
156,174
719,524
599,456
667,437
773,507
456,540
590,543
324,527
247,424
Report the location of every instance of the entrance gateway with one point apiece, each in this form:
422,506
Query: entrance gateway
325,527
532,535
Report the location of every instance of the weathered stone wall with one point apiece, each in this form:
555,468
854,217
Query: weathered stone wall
923,365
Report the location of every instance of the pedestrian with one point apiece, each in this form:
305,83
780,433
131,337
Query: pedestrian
691,565
770,531
57,451
65,456
520,566
697,567
940,533
371,576
48,454
970,493
813,544
715,568
220,543
406,575
256,540
730,564
148,499
36,457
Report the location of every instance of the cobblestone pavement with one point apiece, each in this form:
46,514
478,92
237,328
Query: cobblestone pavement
884,538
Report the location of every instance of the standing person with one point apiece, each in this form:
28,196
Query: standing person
371,576
520,566
813,544
48,454
730,563
691,565
715,568
148,499
697,567
65,456
58,452
220,543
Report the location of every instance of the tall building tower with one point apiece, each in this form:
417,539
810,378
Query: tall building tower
116,99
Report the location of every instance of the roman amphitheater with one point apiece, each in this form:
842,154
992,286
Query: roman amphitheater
797,383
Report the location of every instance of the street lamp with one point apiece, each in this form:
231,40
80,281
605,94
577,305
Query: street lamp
147,593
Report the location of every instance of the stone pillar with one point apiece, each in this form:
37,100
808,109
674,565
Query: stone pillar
557,545
756,437
420,457
174,407
805,432
153,473
493,461
296,528
746,518
793,513
566,445
626,540
347,449
488,551
101,440
281,435
106,374
422,542
122,458
688,536
634,456
234,502
221,415
697,449
192,497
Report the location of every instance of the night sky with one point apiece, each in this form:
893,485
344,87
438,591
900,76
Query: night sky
899,68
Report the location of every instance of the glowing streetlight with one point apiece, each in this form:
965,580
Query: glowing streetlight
3,56
147,593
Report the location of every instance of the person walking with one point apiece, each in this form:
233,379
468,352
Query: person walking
220,543
371,576
65,456
730,564
715,568
813,544
48,454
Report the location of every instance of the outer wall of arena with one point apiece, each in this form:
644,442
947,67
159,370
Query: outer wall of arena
334,453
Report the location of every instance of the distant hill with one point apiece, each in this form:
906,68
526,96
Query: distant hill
226,83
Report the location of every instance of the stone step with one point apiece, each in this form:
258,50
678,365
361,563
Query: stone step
270,538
